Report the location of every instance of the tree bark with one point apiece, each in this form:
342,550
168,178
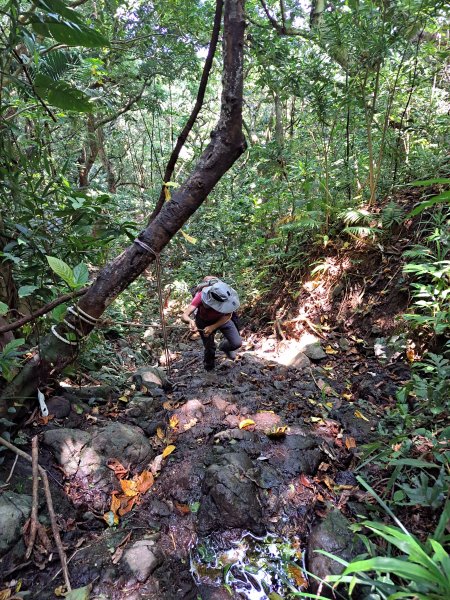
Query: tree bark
106,162
226,145
88,154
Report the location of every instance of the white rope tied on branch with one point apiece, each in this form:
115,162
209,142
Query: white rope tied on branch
76,311
70,326
81,314
60,337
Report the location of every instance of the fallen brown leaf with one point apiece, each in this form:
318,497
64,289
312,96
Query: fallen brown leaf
190,424
297,574
277,432
328,482
144,482
155,465
182,508
168,450
350,443
120,548
359,415
129,487
173,421
126,504
119,470
306,482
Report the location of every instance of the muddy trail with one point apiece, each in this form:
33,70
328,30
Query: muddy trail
212,485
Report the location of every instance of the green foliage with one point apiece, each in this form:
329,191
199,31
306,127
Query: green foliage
64,25
431,288
392,214
61,94
396,564
424,491
9,358
419,570
75,278
424,205
430,381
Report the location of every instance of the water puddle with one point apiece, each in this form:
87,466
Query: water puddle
269,568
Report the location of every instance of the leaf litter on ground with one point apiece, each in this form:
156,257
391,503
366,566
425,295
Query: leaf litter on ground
132,489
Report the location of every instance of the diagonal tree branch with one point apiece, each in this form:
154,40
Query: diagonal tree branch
197,107
283,29
226,146
125,108
42,311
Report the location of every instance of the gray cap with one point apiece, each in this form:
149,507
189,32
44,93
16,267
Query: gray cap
221,297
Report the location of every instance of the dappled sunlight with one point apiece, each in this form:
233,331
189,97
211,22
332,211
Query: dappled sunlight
75,456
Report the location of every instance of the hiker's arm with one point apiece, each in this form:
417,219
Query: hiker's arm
212,328
186,316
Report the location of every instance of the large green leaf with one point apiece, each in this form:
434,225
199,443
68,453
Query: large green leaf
401,568
3,309
26,290
441,198
11,347
58,7
62,269
427,182
81,274
68,32
61,94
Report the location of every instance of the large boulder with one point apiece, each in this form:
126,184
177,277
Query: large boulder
315,351
297,454
332,535
230,497
14,511
84,456
143,407
59,407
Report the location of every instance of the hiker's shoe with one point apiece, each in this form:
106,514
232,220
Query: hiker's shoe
209,367
231,354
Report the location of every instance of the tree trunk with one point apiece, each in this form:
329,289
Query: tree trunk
88,154
227,144
107,164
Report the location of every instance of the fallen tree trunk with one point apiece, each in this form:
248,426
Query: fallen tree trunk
227,144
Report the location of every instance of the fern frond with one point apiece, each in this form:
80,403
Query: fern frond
57,64
418,252
392,214
352,216
363,232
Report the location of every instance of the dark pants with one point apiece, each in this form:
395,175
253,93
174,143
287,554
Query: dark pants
232,341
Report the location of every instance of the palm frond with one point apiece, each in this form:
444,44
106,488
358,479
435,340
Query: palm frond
352,216
363,232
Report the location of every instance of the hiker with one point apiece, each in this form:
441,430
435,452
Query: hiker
205,282
213,306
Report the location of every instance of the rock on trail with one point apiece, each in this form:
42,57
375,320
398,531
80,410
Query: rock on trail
83,456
